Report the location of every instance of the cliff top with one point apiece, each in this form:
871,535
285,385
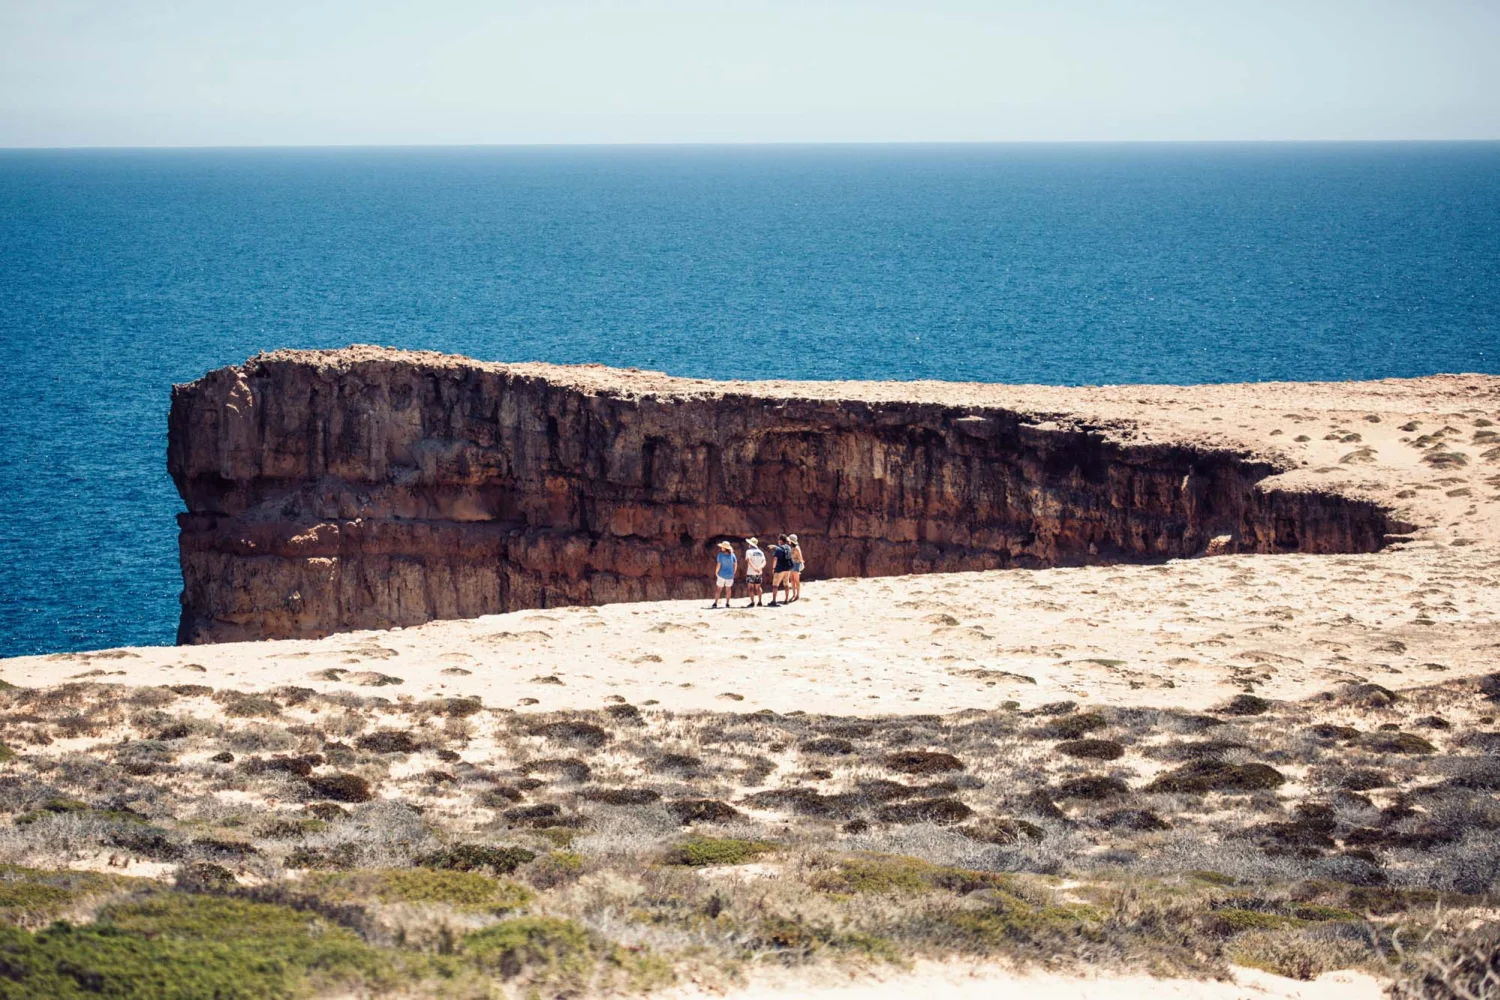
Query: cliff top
1373,439
1466,389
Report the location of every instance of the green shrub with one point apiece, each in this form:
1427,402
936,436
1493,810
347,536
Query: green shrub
569,861
1233,920
339,857
799,938
882,874
174,946
1006,920
25,899
31,897
204,876
243,706
560,949
699,852
1213,878
1316,913
562,957
1295,954
52,806
475,857
464,890
894,874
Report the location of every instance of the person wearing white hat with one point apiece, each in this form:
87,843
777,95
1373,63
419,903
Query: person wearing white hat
796,578
755,564
724,569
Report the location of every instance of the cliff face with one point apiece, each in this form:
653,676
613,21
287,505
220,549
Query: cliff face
366,488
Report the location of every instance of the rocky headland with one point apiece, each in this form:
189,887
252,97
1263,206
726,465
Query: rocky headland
328,491
1272,770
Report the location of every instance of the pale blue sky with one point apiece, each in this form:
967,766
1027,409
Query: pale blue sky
304,72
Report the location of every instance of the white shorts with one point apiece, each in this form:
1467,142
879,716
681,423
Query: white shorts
723,583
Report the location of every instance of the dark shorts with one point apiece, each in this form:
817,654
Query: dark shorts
753,579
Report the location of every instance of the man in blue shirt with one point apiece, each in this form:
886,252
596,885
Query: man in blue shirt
724,574
781,570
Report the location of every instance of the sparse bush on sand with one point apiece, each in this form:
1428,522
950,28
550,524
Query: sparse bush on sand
576,854
698,852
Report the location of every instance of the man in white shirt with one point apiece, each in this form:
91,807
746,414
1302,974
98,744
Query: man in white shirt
755,564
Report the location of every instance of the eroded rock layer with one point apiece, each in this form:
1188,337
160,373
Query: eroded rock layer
366,488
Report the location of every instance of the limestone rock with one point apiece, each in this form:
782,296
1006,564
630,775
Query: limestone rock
367,488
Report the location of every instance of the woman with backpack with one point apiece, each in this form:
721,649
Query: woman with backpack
796,575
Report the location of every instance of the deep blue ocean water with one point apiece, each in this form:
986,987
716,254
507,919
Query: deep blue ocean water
124,271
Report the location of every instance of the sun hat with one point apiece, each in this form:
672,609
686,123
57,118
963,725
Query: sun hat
726,546
752,540
792,539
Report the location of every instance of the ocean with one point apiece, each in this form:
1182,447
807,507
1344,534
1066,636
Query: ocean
122,272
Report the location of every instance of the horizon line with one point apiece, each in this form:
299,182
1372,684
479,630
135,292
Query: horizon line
86,147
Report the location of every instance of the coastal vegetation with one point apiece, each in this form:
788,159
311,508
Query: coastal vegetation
166,842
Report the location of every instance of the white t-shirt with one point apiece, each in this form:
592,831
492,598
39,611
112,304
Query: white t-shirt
755,560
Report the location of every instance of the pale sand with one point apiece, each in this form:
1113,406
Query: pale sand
959,981
1187,633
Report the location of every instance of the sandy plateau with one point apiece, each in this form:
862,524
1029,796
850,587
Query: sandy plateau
1251,766
1290,625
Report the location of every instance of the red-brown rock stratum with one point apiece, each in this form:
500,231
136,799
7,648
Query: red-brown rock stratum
370,487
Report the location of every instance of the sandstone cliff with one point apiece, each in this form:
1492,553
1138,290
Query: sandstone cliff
367,487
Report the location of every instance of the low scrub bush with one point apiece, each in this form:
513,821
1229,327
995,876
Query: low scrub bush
477,857
698,852
340,787
177,946
1216,776
463,890
893,874
32,897
923,762
387,741
622,796
574,733
941,811
702,811
1072,727
1091,749
560,957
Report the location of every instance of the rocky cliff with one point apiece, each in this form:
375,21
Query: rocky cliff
367,487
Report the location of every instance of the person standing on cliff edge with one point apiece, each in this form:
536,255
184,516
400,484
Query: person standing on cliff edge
755,564
725,566
781,571
797,564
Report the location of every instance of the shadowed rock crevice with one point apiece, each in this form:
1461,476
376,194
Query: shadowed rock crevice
365,488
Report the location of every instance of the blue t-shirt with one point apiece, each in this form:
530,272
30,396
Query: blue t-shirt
727,563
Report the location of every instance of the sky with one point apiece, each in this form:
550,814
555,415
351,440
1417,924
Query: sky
377,72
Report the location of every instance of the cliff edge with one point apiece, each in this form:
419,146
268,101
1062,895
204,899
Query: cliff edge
369,487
